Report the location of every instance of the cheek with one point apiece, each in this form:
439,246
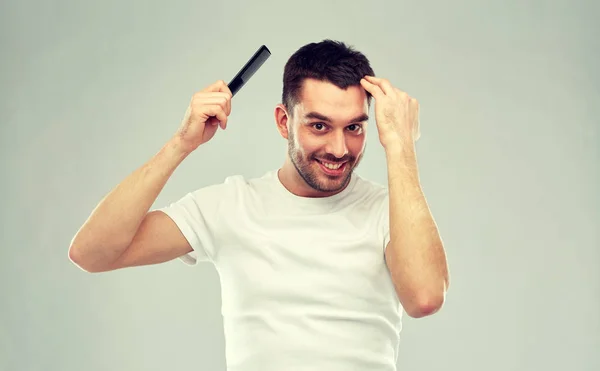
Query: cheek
306,145
357,145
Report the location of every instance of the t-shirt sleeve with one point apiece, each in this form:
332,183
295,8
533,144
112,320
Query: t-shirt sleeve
197,216
384,220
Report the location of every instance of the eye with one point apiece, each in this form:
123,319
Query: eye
318,126
355,128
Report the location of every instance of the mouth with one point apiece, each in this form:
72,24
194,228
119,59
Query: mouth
332,168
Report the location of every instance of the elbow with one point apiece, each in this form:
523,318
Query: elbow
425,306
77,257
427,302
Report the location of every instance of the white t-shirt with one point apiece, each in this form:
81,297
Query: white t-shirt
304,280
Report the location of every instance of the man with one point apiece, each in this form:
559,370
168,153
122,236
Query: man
316,264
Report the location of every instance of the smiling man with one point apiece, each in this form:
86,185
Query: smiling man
326,137
316,263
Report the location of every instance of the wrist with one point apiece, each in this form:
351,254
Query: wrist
402,163
401,152
175,149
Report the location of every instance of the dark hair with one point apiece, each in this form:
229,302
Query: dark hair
328,60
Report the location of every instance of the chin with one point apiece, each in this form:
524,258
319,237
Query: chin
322,177
332,180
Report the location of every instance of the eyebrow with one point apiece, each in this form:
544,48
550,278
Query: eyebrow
318,116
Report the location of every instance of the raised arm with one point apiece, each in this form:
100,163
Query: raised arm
121,232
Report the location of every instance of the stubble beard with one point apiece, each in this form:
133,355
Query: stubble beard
313,177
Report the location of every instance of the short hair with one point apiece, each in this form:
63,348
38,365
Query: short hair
328,60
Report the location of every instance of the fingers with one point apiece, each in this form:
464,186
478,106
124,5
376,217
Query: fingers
218,86
378,87
215,111
371,83
214,103
220,99
383,84
384,90
375,90
218,93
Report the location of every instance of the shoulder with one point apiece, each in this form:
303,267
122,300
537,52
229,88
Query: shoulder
374,201
370,192
231,187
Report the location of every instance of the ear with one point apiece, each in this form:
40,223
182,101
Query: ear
281,120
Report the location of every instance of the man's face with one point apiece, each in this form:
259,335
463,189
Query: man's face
327,134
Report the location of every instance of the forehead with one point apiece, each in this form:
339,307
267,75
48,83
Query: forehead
326,98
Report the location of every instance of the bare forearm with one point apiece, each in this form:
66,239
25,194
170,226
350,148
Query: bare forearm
417,258
113,223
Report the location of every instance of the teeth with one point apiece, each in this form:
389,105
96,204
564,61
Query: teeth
331,166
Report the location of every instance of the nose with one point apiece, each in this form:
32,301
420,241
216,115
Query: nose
337,145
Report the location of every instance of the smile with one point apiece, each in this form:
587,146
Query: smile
331,168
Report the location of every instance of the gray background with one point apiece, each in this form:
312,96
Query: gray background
509,157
